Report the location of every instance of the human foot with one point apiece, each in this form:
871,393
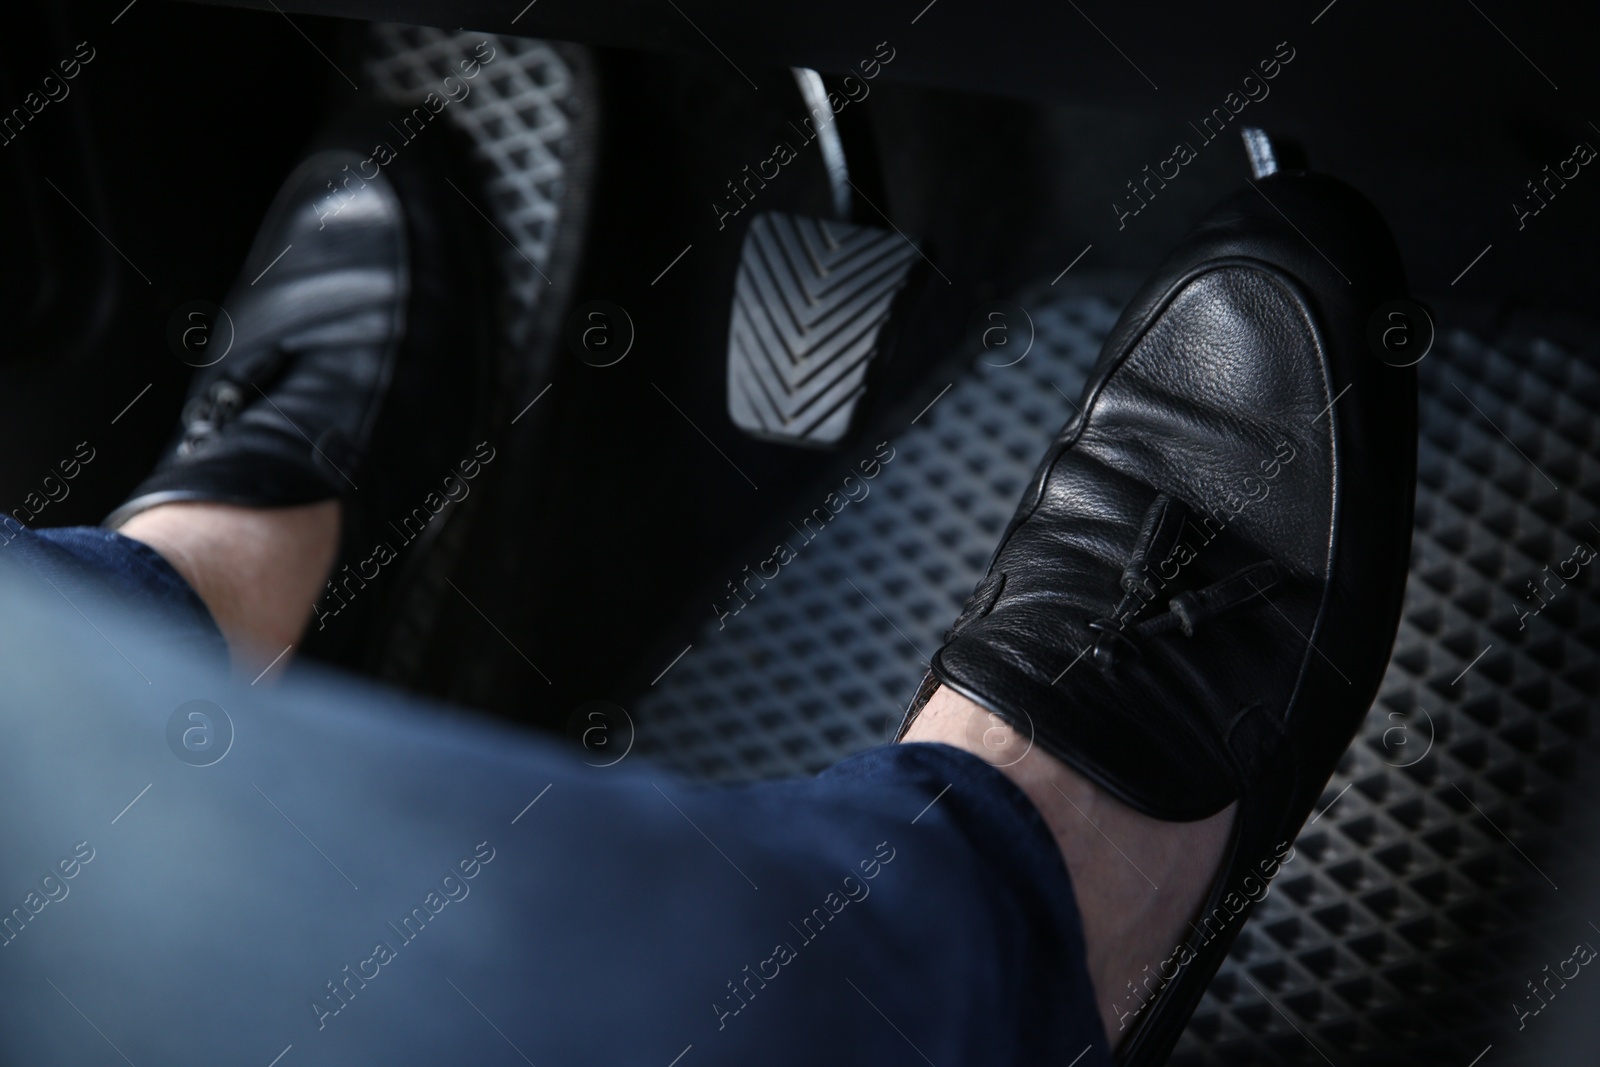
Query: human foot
1195,602
284,416
351,402
1138,881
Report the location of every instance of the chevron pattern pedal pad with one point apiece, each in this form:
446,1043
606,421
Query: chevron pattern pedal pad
813,317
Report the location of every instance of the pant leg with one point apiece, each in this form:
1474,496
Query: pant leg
338,875
89,560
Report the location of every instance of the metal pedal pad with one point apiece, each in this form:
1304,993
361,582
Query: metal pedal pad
813,317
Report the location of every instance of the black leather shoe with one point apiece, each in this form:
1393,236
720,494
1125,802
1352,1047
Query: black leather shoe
360,371
285,416
1196,600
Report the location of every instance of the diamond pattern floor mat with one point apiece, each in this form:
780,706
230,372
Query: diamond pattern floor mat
517,110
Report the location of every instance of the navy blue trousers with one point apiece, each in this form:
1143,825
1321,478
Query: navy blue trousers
194,870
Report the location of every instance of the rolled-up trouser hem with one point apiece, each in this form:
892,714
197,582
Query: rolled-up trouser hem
87,562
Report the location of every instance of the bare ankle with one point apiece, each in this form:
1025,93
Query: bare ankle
258,570
1138,880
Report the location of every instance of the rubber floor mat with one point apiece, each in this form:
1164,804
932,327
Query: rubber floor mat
526,111
517,110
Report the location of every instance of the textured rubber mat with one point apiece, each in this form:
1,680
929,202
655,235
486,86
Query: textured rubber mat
1420,896
526,112
517,111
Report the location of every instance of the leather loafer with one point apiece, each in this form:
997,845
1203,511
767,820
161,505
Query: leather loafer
1196,600
285,416
360,370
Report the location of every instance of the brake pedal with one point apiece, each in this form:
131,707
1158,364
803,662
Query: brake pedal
814,309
